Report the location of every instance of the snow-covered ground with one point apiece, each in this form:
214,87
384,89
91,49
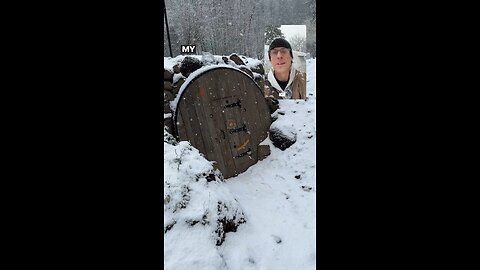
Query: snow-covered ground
273,202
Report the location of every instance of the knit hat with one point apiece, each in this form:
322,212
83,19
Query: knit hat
280,42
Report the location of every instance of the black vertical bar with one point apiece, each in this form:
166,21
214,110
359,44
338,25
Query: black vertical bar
168,32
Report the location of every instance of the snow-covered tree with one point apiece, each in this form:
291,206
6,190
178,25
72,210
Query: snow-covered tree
298,43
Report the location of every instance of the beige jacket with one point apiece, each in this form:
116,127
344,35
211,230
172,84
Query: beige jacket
296,87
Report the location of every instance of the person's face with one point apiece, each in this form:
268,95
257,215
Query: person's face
280,59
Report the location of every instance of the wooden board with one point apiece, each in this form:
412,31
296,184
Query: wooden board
224,115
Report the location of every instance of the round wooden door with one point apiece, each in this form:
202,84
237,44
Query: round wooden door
223,114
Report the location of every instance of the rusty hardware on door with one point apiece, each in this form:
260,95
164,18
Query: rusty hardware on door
244,128
238,103
249,152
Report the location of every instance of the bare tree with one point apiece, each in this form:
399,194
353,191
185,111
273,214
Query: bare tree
298,43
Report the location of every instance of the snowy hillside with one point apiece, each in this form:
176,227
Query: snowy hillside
263,218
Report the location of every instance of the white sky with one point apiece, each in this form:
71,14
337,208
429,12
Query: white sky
292,30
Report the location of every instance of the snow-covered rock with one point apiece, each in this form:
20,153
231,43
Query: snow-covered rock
189,65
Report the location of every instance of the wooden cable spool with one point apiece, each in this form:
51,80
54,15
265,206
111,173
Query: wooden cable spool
223,113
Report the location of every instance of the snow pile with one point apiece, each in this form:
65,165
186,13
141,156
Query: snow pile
198,209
